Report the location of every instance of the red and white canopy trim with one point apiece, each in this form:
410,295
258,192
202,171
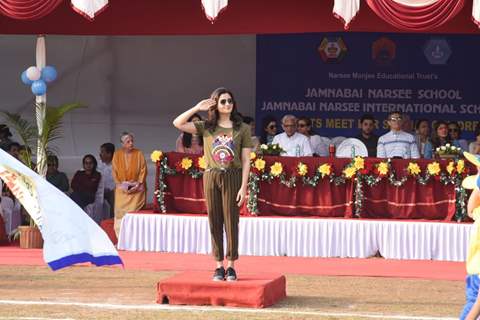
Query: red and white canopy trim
346,10
89,8
413,15
213,8
476,12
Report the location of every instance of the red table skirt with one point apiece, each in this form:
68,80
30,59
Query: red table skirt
434,200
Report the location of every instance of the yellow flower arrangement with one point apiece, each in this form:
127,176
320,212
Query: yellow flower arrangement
253,156
156,155
325,169
349,171
259,164
413,169
202,163
460,166
383,168
276,169
359,163
186,163
433,168
302,169
450,167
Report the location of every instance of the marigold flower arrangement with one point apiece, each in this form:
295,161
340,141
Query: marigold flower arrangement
325,169
259,164
382,168
433,168
413,169
302,169
202,163
276,169
156,156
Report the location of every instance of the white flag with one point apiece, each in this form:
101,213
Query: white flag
213,8
89,8
70,236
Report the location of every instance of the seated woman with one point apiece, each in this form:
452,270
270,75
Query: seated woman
190,143
85,182
269,130
440,137
55,177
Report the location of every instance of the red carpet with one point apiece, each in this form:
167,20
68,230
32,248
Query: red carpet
375,267
197,288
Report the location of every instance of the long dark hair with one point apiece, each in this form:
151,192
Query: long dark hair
213,115
187,137
94,161
265,122
436,139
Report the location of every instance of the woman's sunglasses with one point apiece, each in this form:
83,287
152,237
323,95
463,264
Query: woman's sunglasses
272,127
225,101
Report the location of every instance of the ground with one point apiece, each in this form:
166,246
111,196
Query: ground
114,293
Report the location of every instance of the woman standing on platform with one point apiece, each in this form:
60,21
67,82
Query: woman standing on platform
129,171
227,144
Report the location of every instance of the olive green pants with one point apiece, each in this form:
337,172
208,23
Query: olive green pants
221,189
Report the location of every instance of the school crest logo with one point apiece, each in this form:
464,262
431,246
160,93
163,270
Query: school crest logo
384,51
332,50
437,51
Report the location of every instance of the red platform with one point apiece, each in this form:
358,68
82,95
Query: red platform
198,288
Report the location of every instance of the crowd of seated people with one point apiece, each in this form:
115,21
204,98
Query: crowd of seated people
405,139
82,189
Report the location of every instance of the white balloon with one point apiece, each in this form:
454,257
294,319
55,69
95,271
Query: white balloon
33,73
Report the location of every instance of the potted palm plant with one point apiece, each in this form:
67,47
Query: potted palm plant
37,138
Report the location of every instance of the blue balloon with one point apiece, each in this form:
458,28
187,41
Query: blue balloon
49,74
39,87
25,79
478,181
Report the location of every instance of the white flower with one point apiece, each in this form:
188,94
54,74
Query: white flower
438,149
264,147
274,146
443,148
447,145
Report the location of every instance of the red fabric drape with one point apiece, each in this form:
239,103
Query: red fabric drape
28,9
416,18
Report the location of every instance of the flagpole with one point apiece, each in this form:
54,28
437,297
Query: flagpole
40,109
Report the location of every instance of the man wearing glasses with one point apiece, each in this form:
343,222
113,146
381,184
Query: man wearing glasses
295,144
397,143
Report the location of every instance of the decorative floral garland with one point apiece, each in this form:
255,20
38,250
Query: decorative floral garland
356,170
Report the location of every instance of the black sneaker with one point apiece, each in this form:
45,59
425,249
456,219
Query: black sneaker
231,274
219,274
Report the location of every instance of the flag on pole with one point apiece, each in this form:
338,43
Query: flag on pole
70,236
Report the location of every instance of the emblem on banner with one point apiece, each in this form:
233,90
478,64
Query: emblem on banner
384,51
437,51
332,50
24,189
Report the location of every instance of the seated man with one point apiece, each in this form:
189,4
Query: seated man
293,143
397,143
366,135
55,177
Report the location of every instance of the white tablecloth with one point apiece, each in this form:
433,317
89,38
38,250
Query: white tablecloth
301,237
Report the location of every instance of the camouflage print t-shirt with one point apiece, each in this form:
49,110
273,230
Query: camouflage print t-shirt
223,147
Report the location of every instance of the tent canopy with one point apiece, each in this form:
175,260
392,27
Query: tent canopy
186,17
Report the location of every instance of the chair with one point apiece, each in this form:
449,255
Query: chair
99,209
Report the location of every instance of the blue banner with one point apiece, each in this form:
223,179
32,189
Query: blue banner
335,78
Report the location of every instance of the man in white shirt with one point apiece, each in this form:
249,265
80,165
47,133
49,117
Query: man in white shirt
397,143
105,168
293,143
